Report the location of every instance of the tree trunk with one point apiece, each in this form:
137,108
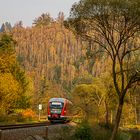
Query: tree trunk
117,121
107,114
138,115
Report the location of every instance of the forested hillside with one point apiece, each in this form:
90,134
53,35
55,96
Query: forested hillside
50,53
92,61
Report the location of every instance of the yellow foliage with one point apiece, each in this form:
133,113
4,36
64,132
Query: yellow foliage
8,84
6,61
9,90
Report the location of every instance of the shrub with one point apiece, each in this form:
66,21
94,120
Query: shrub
29,114
83,132
24,115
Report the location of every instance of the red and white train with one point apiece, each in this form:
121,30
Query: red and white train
59,109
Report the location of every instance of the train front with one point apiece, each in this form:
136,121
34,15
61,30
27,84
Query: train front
56,109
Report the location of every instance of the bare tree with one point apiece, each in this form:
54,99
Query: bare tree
114,26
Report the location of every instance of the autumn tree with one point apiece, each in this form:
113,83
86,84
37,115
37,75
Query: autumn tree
13,82
114,26
44,19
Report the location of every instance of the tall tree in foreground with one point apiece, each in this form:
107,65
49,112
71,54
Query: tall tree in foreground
114,25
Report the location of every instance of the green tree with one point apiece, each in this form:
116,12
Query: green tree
87,97
25,85
7,52
114,26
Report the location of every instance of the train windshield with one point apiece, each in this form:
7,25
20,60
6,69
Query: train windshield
56,105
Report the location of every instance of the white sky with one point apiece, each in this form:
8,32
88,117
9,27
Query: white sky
27,10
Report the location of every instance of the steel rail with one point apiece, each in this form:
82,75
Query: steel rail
16,126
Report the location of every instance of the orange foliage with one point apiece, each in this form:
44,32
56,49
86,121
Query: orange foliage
28,113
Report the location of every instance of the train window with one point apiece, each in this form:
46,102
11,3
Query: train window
58,105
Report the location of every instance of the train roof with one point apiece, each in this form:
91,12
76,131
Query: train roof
58,100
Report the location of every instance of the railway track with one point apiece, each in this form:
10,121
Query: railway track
23,131
16,126
32,131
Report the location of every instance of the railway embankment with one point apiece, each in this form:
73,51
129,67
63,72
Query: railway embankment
44,132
